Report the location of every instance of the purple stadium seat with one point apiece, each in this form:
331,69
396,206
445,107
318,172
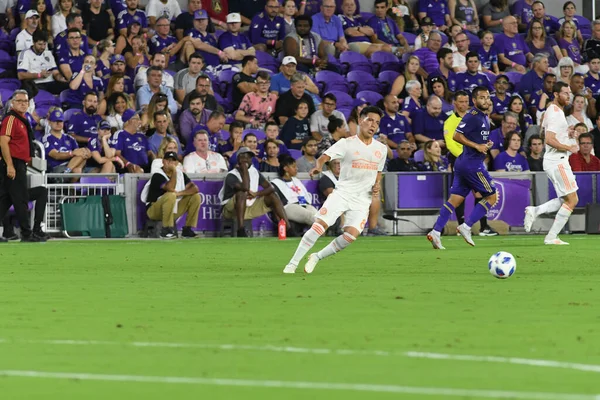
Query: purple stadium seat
346,112
410,38
10,83
7,46
260,134
90,179
352,61
387,78
14,33
70,112
419,156
42,109
366,15
384,61
444,38
296,154
361,81
63,96
225,78
585,26
370,96
514,77
329,80
46,98
394,154
344,100
267,61
172,73
5,94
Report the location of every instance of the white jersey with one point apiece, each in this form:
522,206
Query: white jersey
157,8
360,164
554,121
30,61
213,164
24,40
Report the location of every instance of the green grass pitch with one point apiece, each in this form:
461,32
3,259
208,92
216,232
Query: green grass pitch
388,318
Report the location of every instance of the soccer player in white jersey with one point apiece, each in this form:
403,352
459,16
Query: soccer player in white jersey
559,145
362,160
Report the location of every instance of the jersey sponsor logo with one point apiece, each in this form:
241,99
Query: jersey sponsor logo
365,164
378,154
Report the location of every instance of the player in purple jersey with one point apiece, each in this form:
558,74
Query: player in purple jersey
470,173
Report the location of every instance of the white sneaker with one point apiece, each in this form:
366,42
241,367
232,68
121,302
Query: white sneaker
436,240
464,231
290,269
555,241
529,218
310,265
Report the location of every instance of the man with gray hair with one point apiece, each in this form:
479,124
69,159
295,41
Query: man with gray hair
533,80
428,123
592,46
287,102
144,94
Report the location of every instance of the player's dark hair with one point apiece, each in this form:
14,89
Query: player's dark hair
558,86
478,89
370,110
285,160
509,136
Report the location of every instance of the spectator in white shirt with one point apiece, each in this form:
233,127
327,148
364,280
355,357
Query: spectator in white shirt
203,161
25,37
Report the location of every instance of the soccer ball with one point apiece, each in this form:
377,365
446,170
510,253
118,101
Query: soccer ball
502,265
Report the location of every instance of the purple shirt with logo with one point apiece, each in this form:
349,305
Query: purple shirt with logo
515,48
386,30
435,9
64,144
209,58
264,29
425,124
395,128
355,22
467,81
133,147
124,19
83,124
505,161
157,44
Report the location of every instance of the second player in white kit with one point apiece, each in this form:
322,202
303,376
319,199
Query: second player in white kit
362,160
560,143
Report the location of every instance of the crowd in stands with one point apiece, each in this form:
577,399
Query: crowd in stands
112,84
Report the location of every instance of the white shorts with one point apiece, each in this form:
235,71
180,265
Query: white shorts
336,205
562,178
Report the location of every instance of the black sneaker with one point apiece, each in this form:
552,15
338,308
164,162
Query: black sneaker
3,240
40,234
31,239
242,232
488,232
167,233
187,232
10,236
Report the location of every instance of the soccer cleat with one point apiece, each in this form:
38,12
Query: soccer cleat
436,240
290,269
555,241
488,232
465,232
310,265
529,218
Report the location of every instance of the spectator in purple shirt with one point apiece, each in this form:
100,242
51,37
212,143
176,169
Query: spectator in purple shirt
393,124
522,11
412,103
550,23
82,126
570,45
428,124
129,16
438,11
510,160
445,59
62,152
513,52
540,43
235,45
510,122
83,82
70,59
132,146
267,29
428,55
203,42
386,30
472,78
358,33
162,42
61,41
592,79
533,80
329,27
196,114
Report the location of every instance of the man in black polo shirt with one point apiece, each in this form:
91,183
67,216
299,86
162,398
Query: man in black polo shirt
244,81
16,143
287,102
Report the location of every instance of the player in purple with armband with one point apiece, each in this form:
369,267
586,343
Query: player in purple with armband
470,173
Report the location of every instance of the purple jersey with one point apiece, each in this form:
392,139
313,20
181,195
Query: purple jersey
425,124
548,50
530,82
435,9
83,124
467,81
592,83
61,45
534,100
124,19
264,29
95,144
355,22
515,48
505,161
487,58
550,23
64,144
209,58
395,128
75,97
500,106
411,107
238,42
429,60
75,62
572,49
157,44
523,11
450,81
386,30
311,8
133,147
497,137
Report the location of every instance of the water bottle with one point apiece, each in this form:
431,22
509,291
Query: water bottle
281,230
261,229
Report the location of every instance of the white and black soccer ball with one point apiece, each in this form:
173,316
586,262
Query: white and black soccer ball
502,265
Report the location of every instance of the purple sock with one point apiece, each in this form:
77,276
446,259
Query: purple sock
479,211
445,213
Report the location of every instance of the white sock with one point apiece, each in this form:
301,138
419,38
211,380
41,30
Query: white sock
562,216
338,244
307,242
548,207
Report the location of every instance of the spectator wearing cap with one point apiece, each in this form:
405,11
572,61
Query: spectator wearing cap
166,44
84,82
319,120
438,11
257,107
513,52
131,15
62,43
358,33
472,77
158,60
62,151
24,39
117,67
70,60
156,9
170,194
267,29
154,85
403,162
386,30
103,155
426,28
395,125
161,127
97,21
592,78
83,126
37,65
288,102
185,80
244,81
428,123
533,80
185,21
306,46
280,82
203,89
232,43
242,197
195,115
203,42
203,161
131,145
429,55
214,127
